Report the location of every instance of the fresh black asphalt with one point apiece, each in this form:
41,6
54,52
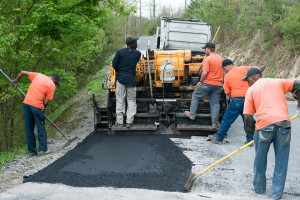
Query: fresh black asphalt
123,161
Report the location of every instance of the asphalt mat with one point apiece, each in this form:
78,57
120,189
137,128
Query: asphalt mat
122,161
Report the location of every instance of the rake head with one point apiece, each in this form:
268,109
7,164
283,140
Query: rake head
69,142
189,184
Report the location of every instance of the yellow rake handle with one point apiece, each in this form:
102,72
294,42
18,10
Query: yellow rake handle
243,147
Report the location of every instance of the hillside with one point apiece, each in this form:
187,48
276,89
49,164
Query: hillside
272,58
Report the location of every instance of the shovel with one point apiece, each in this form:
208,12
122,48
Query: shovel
54,125
189,184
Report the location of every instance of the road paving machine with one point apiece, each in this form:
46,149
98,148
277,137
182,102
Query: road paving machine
166,78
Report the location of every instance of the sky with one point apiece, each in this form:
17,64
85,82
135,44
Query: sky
175,4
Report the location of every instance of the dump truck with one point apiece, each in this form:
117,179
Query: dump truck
166,78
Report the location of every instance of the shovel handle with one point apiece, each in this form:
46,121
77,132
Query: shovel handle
224,158
12,82
231,154
295,116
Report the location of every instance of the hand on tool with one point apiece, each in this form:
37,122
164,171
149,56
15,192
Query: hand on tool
15,84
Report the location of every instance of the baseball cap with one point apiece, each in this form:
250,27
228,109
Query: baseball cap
57,78
209,45
250,72
226,62
131,40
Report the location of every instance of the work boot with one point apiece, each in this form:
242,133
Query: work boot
42,153
118,125
188,114
32,154
216,140
215,126
129,125
209,137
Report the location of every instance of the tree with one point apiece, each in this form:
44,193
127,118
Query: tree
65,36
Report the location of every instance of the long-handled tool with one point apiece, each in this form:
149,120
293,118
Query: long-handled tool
54,125
189,184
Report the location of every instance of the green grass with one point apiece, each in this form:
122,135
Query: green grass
271,75
10,155
44,159
95,86
57,113
5,157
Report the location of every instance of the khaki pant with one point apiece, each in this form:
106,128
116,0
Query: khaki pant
122,92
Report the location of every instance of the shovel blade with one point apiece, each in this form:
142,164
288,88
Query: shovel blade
69,142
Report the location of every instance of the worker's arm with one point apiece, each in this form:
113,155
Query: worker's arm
116,61
203,76
20,75
46,101
249,124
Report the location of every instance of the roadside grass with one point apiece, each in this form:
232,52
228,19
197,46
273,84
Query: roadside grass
11,155
95,86
271,75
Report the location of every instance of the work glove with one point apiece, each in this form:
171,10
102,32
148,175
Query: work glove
249,124
15,84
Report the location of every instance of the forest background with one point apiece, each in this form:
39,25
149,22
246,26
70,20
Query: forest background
74,38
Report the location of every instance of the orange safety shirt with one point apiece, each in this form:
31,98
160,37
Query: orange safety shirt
212,65
266,98
42,87
233,81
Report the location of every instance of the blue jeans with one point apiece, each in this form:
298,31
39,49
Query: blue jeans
281,138
214,93
32,116
234,109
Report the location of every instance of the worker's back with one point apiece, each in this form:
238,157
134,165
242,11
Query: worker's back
233,81
266,98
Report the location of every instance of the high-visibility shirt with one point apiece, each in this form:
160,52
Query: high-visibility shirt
266,98
212,64
233,83
42,87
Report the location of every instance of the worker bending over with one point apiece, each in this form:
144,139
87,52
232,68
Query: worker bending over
236,89
266,98
40,91
211,83
124,63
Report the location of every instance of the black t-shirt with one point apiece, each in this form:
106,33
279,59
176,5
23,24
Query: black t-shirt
124,63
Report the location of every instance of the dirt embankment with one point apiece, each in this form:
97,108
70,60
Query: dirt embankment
272,57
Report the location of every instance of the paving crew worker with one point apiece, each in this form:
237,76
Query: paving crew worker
236,89
266,98
211,82
40,91
124,63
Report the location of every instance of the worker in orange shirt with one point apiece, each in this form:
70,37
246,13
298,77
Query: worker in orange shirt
236,89
266,98
211,82
40,91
